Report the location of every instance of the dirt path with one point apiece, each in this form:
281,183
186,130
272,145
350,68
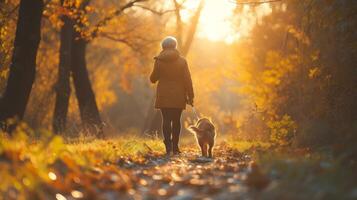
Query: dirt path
188,176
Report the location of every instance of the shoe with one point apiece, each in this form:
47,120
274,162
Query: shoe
168,148
167,155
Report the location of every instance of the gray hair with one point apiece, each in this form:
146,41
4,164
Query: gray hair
169,43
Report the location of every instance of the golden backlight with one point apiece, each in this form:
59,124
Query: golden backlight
219,21
215,23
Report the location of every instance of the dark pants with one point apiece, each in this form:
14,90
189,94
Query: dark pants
171,126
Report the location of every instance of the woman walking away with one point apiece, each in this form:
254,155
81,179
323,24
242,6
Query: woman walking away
174,91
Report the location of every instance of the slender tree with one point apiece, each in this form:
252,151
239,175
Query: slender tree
63,89
23,64
72,61
86,99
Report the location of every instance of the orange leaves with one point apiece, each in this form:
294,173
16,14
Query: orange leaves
54,11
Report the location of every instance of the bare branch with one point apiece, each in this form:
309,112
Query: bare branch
121,40
118,12
254,2
160,13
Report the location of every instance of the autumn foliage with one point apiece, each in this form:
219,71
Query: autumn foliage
279,83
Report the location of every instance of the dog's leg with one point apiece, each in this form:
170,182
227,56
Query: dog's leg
210,149
204,149
201,147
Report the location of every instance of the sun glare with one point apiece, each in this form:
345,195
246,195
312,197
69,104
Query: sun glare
215,23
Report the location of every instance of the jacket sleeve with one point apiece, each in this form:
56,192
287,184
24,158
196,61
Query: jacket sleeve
155,73
188,82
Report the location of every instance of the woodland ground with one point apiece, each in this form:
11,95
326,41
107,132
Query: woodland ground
131,167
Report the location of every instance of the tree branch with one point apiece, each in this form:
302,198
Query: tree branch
121,40
118,12
160,13
192,28
254,2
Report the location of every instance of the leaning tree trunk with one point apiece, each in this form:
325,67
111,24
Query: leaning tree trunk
86,100
23,65
63,89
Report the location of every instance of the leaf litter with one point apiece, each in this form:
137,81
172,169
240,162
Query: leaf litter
149,175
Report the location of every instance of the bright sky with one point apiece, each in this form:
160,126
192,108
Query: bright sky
216,19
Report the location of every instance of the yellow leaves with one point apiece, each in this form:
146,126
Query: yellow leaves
6,45
3,32
298,34
56,145
314,72
315,55
271,77
278,67
282,131
54,12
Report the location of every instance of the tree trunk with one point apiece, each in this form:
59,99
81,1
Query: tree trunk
72,59
192,29
23,65
179,24
86,100
63,89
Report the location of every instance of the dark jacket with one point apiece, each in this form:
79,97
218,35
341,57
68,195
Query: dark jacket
174,88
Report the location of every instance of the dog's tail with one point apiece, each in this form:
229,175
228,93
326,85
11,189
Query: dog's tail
194,129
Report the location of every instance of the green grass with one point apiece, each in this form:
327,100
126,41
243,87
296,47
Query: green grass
110,150
243,146
28,165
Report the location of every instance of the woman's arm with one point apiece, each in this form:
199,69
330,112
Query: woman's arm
155,73
188,84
